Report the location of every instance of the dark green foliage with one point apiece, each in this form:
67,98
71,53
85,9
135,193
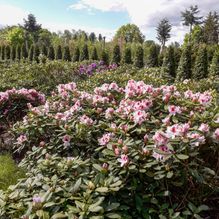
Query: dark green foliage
177,55
161,58
44,50
36,53
139,57
168,67
18,52
24,53
127,57
201,63
9,172
105,57
116,57
59,53
76,55
214,68
184,69
7,52
30,54
66,54
51,53
84,53
3,53
152,59
94,55
100,38
92,37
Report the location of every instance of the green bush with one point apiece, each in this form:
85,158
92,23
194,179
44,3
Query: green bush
139,57
214,68
116,56
127,57
84,55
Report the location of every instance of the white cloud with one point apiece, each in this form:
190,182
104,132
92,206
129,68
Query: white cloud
146,14
11,15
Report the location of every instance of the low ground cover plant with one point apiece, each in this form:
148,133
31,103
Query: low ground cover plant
133,151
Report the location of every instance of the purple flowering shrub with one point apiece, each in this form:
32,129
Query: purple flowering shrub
95,67
14,104
137,151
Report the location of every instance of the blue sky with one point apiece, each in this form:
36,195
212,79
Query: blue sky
103,16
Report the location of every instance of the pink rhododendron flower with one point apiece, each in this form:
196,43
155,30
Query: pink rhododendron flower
21,139
204,127
216,134
66,140
86,120
166,120
124,160
109,113
105,139
173,110
139,117
146,138
37,199
160,138
198,139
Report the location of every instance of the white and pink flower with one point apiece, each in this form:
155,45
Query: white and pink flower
124,160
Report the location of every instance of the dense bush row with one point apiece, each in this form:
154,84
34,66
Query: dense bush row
137,151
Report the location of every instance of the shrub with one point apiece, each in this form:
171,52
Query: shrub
44,50
66,54
94,55
111,152
13,53
184,68
51,53
76,56
105,57
139,57
18,52
31,52
59,53
24,53
3,52
7,52
116,56
127,58
36,53
152,59
214,68
201,64
84,55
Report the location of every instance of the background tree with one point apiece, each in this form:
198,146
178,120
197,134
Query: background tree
3,52
59,53
30,54
94,55
185,66
92,37
66,54
127,57
76,55
7,52
13,53
45,37
214,68
129,33
100,38
36,53
201,63
163,32
211,28
84,53
168,67
51,53
105,57
15,36
139,57
190,18
44,50
152,59
18,52
116,56
24,53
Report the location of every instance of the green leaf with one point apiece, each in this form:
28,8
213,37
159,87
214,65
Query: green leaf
182,156
102,189
113,215
59,216
202,208
170,174
95,208
97,167
76,186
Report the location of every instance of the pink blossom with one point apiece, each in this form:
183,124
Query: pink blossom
105,139
124,160
146,138
37,199
166,120
216,134
139,117
21,139
86,120
66,140
196,138
160,138
204,128
173,110
109,113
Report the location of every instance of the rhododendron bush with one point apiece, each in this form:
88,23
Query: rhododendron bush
14,104
137,151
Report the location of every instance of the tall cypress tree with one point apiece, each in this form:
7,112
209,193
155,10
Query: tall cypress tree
24,53
152,60
0,52
18,53
94,55
214,68
168,67
51,53
116,58
13,53
201,63
139,57
76,55
30,54
185,67
7,52
59,52
105,57
127,57
36,53
66,54
3,52
84,53
44,50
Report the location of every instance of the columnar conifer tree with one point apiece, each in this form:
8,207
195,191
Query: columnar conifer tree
0,52
94,55
116,58
201,63
24,53
214,68
59,53
66,54
105,57
139,57
76,55
3,53
152,60
51,53
36,53
127,57
168,67
84,53
44,50
18,52
184,68
7,52
13,53
30,54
